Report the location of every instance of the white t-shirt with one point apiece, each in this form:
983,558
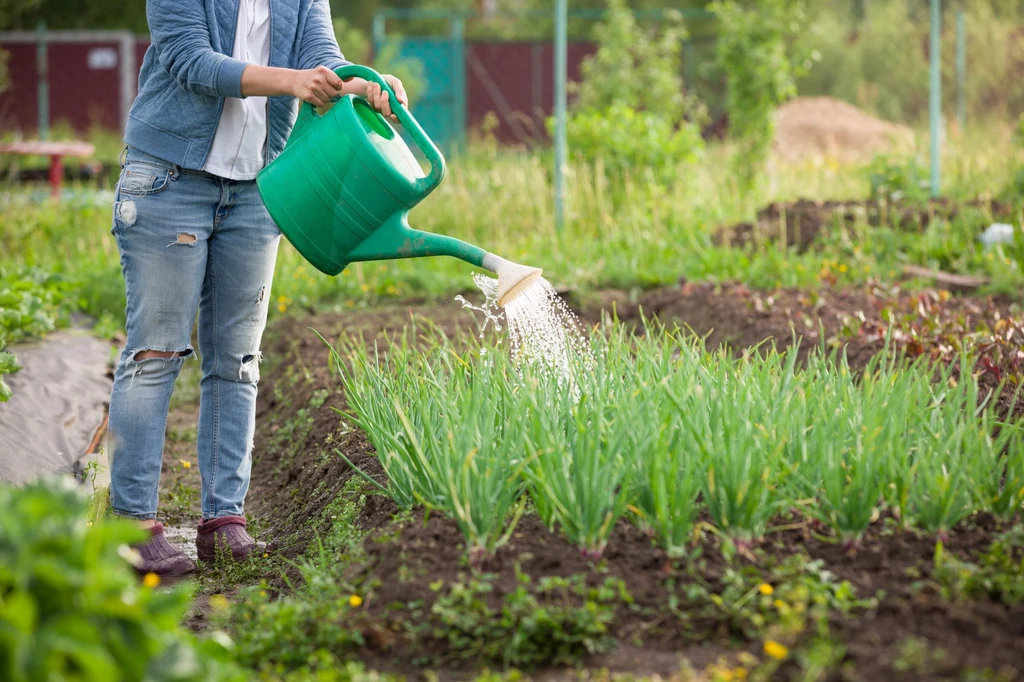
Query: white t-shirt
240,142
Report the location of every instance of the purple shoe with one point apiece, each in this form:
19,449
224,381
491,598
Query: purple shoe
160,557
226,533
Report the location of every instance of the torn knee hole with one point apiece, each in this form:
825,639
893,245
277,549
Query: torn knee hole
148,354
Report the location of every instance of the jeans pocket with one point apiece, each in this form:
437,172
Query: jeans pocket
142,179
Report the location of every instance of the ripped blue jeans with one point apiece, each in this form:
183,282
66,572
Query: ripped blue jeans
189,241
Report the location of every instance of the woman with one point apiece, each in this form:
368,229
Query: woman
218,94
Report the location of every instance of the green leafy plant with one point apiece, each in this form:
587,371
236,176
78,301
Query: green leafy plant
71,608
997,574
623,138
899,180
32,303
728,414
755,49
8,365
631,107
558,620
781,600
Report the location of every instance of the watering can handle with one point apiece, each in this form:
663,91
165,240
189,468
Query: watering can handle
307,114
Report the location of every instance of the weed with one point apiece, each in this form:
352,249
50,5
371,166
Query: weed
178,501
998,573
781,602
559,620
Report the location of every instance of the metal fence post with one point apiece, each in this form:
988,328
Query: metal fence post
459,80
379,33
43,88
561,19
936,95
961,70
129,77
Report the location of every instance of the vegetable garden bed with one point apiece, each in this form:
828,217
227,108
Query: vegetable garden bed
393,587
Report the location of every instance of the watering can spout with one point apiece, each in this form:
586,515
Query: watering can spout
513,278
395,239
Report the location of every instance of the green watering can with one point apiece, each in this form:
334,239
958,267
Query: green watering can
342,189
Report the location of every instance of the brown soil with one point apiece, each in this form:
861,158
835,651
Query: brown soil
815,127
976,634
804,220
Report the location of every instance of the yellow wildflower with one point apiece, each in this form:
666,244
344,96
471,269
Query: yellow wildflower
265,555
843,268
219,602
355,601
185,464
779,604
776,650
765,589
151,580
740,673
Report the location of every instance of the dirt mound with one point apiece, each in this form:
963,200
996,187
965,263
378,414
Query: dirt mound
811,127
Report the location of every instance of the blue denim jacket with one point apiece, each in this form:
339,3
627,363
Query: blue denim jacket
188,71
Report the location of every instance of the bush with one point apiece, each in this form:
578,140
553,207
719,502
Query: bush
624,138
631,108
70,606
755,50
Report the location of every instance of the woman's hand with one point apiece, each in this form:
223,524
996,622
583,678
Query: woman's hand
319,86
380,100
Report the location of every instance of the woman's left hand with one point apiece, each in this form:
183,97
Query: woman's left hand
380,99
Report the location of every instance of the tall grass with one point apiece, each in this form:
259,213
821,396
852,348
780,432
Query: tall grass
664,430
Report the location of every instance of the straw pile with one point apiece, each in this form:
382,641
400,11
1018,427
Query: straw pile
810,127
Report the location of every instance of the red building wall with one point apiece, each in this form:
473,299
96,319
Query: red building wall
84,85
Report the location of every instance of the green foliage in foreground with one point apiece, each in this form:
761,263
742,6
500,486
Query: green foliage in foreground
754,436
71,607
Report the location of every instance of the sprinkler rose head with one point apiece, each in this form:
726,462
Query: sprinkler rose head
513,278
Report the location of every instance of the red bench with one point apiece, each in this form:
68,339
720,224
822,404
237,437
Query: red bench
55,150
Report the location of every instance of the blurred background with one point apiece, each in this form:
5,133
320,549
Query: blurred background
695,134
487,65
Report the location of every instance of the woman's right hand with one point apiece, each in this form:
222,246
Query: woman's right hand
319,86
